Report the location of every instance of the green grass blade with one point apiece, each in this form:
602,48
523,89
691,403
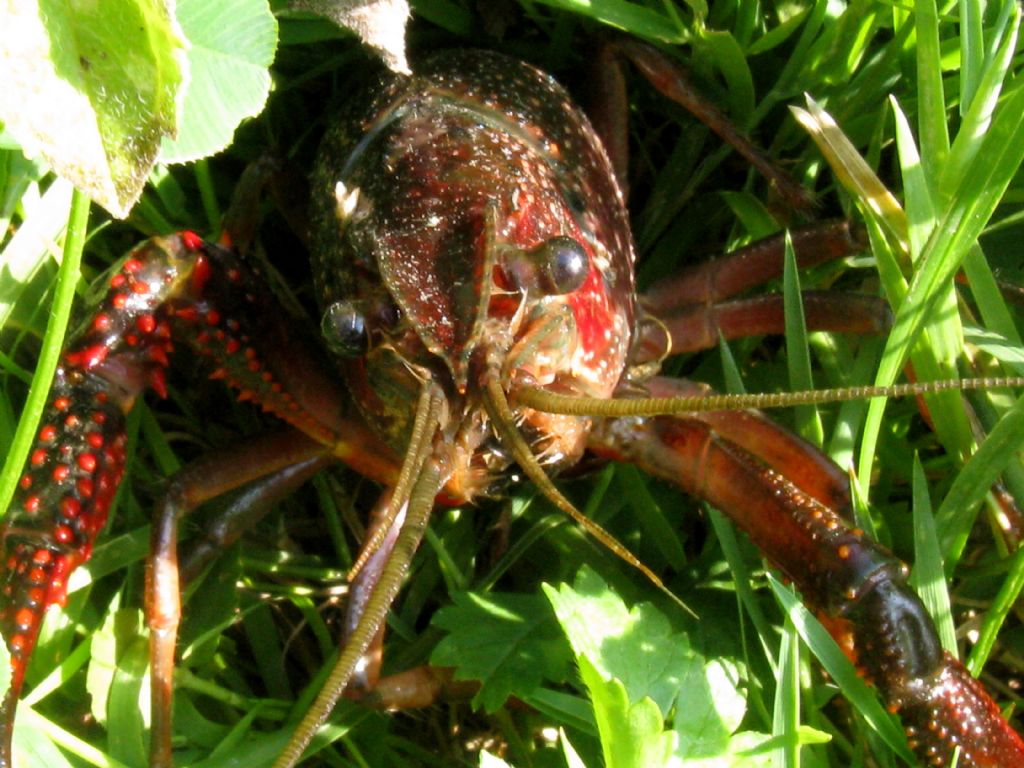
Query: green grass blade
798,355
64,293
855,690
927,577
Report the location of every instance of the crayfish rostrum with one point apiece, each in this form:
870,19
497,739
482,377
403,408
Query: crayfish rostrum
471,251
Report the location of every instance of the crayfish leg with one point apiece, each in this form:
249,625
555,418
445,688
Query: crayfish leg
270,469
848,578
695,307
608,114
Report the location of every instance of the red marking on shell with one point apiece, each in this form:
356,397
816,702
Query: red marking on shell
63,534
24,618
25,483
87,461
232,346
57,593
61,472
191,240
62,403
32,504
39,454
212,317
158,381
18,644
72,421
188,314
101,322
145,323
70,507
118,280
254,365
132,265
94,439
201,273
48,433
85,487
42,556
132,340
37,575
158,354
88,357
101,397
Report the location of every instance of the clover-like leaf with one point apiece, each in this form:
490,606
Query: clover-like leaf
92,88
231,47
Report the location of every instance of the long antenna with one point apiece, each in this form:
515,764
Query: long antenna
542,399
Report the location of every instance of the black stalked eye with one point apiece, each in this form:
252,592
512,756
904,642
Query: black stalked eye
562,265
344,329
553,268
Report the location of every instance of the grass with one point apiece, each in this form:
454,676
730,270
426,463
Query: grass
260,625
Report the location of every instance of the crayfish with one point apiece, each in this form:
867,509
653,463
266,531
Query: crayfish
474,267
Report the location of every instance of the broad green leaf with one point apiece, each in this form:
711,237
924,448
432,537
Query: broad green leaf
645,668
231,46
92,88
709,708
632,734
636,646
510,643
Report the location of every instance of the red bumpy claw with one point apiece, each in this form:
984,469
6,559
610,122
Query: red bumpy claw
175,287
858,588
